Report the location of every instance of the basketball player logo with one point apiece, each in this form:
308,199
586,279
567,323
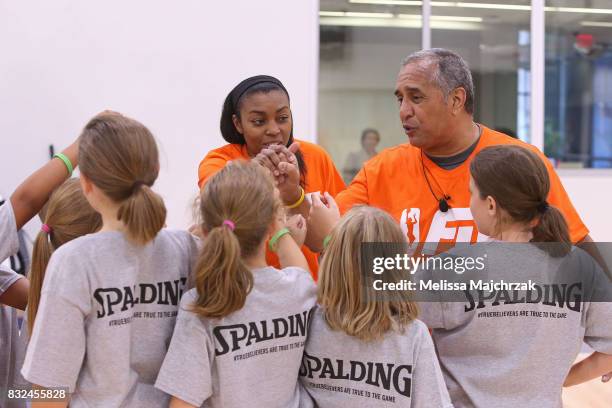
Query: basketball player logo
410,224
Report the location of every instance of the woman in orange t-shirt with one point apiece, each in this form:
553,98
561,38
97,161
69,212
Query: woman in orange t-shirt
256,118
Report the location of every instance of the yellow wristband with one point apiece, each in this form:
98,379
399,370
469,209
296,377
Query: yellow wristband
299,201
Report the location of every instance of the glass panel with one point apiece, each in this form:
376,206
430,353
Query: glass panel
361,49
493,37
578,101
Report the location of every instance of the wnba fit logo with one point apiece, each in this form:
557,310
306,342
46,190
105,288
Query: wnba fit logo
455,225
410,224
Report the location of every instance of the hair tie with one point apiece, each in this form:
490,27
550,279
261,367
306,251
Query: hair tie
137,184
229,224
543,207
46,228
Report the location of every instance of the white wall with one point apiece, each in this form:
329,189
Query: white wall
591,193
167,64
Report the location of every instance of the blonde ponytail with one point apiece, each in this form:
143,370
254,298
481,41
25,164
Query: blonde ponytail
237,207
68,216
223,279
41,253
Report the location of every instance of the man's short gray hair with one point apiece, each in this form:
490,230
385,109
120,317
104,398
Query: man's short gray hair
452,72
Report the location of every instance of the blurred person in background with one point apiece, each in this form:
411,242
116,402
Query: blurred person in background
370,138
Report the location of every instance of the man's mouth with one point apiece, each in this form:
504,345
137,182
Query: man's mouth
409,129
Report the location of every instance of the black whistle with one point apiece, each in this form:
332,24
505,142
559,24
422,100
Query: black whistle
443,204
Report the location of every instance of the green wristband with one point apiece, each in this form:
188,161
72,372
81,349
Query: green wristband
326,241
66,161
276,237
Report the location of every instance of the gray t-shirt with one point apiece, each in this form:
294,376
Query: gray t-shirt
9,329
106,316
452,162
249,358
9,341
20,351
496,353
400,370
9,241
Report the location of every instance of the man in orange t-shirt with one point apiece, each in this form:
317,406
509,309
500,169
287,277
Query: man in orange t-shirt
424,183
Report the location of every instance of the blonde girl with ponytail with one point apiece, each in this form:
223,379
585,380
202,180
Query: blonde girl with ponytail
109,300
240,332
67,216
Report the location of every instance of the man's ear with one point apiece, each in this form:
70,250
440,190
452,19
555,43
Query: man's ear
457,100
237,124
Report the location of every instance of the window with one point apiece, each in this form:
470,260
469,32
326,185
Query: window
362,43
495,43
361,50
578,81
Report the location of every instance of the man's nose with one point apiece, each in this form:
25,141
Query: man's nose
406,110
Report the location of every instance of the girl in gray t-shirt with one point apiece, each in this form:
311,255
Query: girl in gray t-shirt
9,341
24,203
240,332
510,348
363,351
67,216
109,300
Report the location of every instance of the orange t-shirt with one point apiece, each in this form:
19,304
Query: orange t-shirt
393,181
321,175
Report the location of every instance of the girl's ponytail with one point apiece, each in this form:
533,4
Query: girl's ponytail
552,228
120,157
68,216
223,279
41,253
143,213
237,206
